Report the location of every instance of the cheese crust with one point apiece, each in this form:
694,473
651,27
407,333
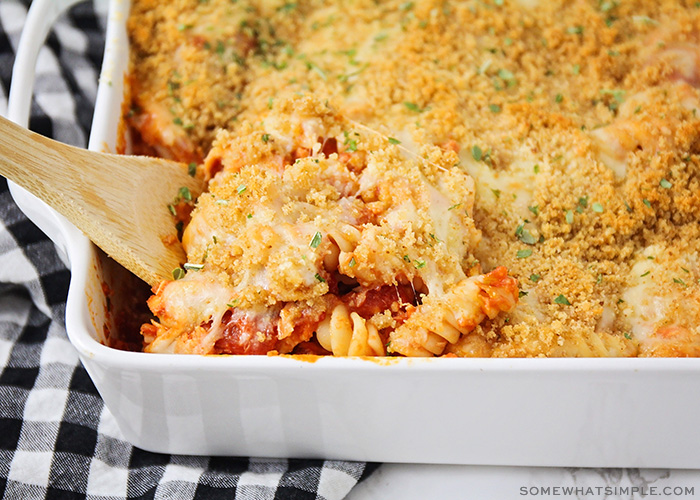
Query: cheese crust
432,145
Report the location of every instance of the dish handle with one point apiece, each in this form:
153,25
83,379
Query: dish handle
40,18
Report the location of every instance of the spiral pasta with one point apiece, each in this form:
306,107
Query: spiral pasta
348,334
439,320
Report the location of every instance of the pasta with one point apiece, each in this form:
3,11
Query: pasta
444,319
507,178
288,245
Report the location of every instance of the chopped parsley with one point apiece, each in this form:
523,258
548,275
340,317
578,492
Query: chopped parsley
504,74
562,300
350,143
618,97
534,209
394,141
495,108
477,153
185,194
287,7
524,253
646,202
265,137
645,20
192,169
316,240
319,278
316,69
680,282
524,235
535,278
411,106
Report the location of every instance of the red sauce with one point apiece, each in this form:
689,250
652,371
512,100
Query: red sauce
246,334
367,303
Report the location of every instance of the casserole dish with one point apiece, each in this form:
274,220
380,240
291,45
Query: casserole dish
575,412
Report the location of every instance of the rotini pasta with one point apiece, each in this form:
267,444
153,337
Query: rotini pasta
345,333
444,319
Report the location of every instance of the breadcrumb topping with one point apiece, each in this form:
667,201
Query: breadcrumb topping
576,120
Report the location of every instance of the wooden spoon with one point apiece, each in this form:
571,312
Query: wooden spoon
119,202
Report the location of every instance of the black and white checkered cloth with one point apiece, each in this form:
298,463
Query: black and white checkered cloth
57,439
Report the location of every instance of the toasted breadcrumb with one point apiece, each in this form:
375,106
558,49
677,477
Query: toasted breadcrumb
577,121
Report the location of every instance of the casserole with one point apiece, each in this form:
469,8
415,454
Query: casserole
542,412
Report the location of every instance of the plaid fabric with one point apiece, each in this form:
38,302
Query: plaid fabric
57,439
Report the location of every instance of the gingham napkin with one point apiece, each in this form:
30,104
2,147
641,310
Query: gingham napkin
57,439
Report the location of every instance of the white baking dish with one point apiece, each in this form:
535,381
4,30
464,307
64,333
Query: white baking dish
558,412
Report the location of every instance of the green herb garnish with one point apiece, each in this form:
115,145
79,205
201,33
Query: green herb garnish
524,254
185,194
316,240
562,300
193,267
412,106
